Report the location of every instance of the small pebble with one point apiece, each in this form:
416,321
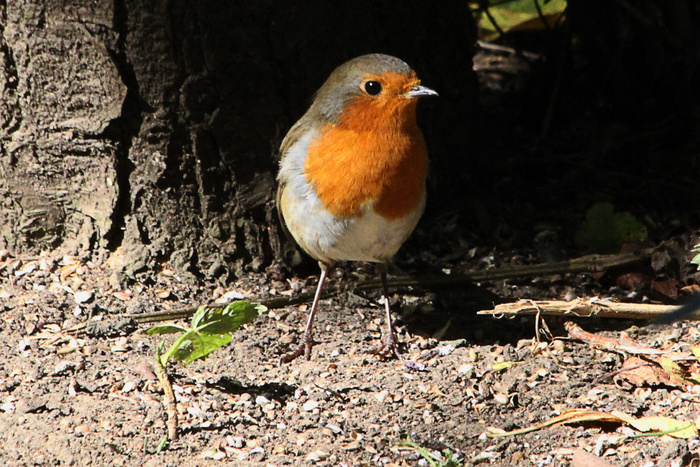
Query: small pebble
8,407
29,267
196,412
128,387
64,367
162,294
258,453
414,366
23,345
120,345
309,406
445,350
465,369
267,408
501,398
317,455
83,296
235,441
334,428
262,400
380,396
233,295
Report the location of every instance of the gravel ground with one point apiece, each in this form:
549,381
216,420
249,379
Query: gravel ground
91,398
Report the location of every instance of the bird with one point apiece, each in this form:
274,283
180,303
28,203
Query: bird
352,175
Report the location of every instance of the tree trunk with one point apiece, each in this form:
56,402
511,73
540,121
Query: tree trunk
152,127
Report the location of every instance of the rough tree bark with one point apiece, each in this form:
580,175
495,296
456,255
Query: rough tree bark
152,126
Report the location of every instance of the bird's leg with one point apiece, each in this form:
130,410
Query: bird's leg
307,340
388,347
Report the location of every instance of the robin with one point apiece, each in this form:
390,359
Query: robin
352,174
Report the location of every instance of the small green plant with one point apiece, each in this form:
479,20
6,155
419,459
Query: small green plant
448,459
211,329
605,231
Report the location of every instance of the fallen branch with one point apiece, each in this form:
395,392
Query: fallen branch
589,263
622,344
582,308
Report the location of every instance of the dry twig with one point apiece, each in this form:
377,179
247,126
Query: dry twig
581,308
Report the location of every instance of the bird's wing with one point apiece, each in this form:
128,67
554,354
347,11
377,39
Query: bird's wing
285,229
292,137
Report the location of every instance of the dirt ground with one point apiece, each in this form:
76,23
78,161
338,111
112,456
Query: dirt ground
90,397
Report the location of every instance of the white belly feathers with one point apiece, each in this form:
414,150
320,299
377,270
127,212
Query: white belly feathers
367,237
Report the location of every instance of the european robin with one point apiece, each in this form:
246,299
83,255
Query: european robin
352,174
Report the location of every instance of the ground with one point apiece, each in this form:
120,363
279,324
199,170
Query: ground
70,396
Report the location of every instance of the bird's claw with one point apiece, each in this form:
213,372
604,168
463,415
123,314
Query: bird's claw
387,349
304,348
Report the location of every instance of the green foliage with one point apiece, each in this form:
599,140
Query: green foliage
211,329
696,258
605,231
518,15
447,461
162,445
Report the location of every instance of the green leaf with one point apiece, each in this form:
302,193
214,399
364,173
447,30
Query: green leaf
696,259
503,365
163,445
201,314
229,319
165,329
182,342
202,345
605,231
520,15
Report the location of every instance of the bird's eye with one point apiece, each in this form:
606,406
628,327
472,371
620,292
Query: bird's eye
373,88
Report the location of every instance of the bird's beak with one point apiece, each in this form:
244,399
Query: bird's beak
418,91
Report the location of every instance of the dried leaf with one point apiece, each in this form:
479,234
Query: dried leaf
672,368
655,425
675,428
696,351
667,288
570,416
638,372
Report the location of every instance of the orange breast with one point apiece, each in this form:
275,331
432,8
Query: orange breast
375,154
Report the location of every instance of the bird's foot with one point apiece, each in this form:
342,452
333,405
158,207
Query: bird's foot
304,348
387,349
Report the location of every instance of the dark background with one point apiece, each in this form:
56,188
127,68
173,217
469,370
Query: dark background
152,128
